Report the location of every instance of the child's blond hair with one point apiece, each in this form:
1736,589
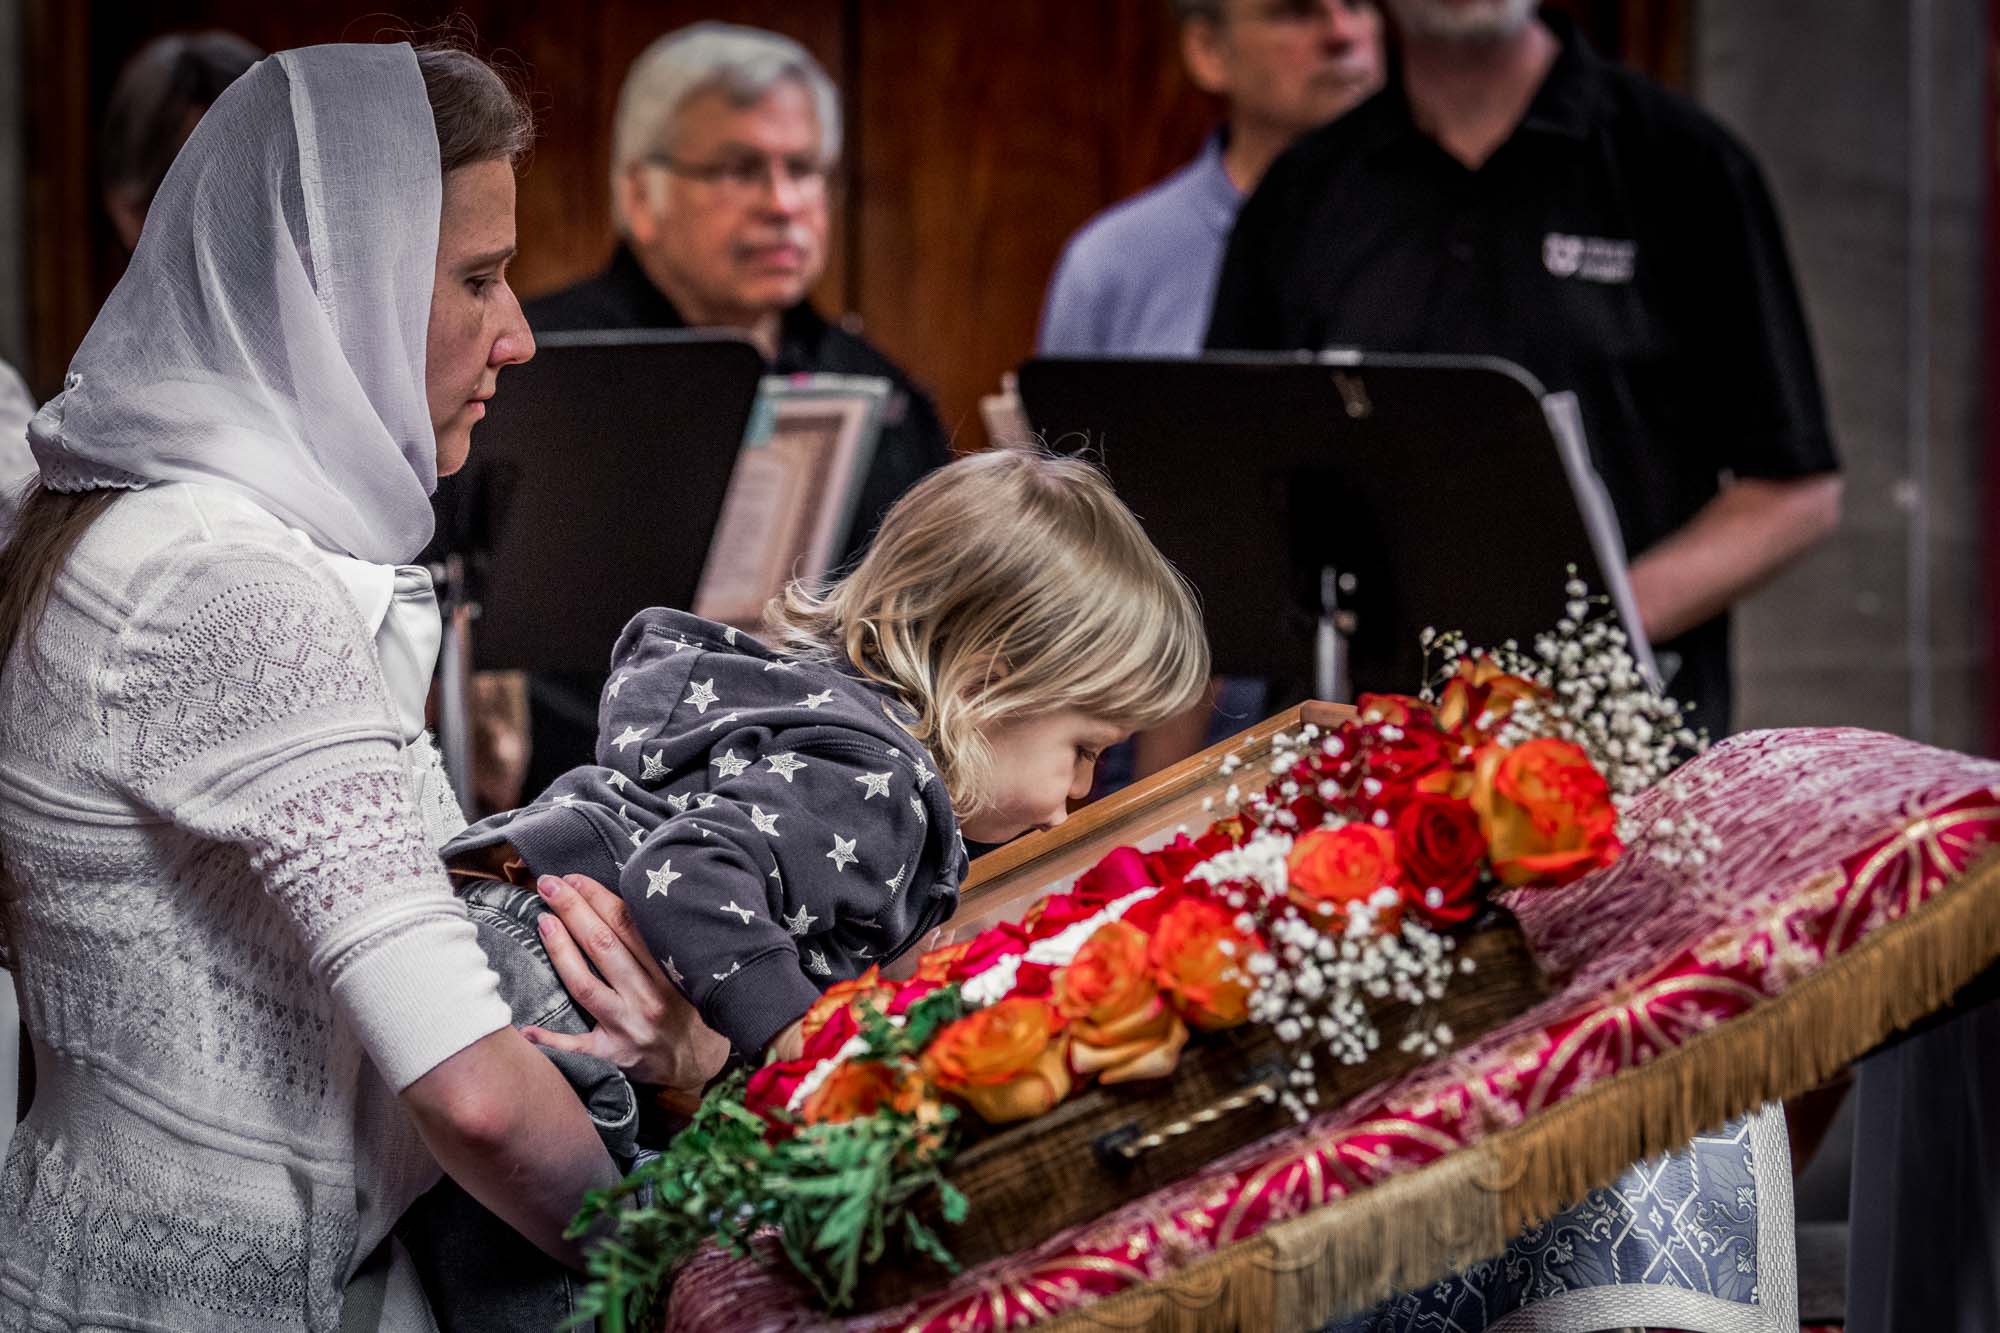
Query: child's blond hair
1007,585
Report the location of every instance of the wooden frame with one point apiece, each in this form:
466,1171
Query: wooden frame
1004,883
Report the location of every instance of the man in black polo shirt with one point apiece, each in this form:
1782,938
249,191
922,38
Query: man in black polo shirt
1511,193
721,148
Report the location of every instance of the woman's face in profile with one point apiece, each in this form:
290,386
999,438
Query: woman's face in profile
476,324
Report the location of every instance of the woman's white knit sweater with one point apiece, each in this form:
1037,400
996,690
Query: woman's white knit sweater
233,938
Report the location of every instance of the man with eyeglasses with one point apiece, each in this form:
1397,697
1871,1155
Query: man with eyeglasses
722,147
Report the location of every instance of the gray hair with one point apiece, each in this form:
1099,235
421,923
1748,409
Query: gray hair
743,63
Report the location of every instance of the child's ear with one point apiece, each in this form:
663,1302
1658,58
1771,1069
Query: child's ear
987,670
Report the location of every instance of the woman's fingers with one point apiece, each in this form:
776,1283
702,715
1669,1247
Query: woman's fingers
645,1026
586,926
582,984
584,1044
612,910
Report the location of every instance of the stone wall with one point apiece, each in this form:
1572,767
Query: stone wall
1880,627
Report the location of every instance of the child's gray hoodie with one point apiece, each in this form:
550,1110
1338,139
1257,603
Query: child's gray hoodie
771,826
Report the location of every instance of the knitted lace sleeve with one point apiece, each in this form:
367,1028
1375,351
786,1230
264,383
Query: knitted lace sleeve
245,705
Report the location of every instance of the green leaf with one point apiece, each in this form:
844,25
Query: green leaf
844,1224
819,1187
841,1194
925,1241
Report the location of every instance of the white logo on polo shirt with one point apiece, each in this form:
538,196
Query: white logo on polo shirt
1592,258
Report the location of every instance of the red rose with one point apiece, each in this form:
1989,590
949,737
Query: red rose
1146,915
1400,761
1056,913
1033,981
986,948
770,1088
1170,865
1121,871
911,992
833,1034
1441,849
1375,765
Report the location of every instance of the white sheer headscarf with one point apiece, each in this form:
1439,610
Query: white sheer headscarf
269,334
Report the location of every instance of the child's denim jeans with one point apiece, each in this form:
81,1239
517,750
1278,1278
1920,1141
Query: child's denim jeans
478,1273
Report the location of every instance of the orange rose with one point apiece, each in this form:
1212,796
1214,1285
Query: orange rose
1203,962
1332,869
937,964
1546,812
1005,1061
1396,709
1121,1029
857,1088
1479,696
868,986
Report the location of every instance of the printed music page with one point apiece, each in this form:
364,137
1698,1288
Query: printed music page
791,499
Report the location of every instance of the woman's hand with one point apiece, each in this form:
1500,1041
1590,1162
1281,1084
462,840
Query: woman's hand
645,1026
789,1044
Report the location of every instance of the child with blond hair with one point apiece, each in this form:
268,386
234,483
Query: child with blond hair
782,815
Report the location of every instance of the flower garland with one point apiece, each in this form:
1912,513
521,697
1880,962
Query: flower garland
1335,886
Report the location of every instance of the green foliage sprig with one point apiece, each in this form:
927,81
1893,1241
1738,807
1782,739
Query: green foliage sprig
839,1194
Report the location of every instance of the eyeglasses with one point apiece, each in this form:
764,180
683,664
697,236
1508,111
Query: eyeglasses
746,175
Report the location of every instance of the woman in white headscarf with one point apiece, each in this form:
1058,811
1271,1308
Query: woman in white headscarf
260,1019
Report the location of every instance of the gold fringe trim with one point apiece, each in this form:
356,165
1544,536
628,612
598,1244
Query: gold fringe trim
1412,1229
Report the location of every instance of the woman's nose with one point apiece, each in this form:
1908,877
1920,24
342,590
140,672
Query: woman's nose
516,342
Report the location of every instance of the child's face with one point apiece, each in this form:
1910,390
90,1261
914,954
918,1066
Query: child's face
1040,764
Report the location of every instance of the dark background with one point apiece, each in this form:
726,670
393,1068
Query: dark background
979,136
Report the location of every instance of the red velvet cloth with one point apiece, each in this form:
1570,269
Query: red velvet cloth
1827,835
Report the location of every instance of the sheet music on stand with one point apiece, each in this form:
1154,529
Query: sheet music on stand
1600,522
792,497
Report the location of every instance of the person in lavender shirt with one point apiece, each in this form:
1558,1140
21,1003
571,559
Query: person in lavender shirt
1137,280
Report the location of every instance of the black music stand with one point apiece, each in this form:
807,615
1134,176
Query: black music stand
594,487
1329,507
591,493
